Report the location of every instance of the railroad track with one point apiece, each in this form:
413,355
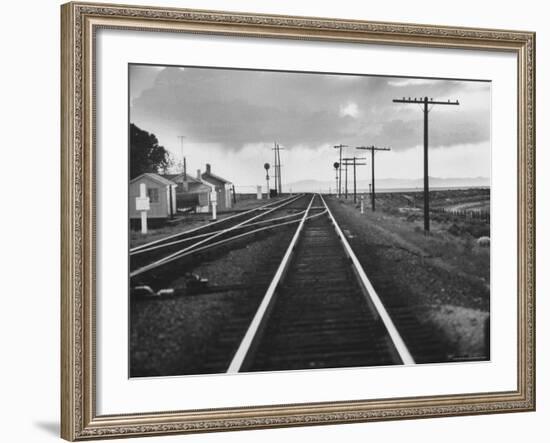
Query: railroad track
310,305
210,227
161,252
423,341
320,310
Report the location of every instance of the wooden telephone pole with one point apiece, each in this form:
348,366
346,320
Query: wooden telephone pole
425,101
372,149
352,161
339,147
336,165
277,167
183,164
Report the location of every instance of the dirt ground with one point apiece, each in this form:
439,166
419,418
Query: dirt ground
443,279
184,334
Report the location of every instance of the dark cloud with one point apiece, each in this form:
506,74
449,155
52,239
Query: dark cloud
234,108
445,130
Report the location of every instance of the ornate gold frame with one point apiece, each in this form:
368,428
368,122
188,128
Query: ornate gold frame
79,420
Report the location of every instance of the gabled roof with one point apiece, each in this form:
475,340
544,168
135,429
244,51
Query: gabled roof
197,186
215,179
178,178
154,177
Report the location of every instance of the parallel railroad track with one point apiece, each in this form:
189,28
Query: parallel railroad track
169,249
210,227
320,310
423,341
312,306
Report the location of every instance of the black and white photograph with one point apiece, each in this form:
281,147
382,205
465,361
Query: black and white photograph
284,220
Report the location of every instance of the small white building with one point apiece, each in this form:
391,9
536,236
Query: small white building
221,186
192,192
161,193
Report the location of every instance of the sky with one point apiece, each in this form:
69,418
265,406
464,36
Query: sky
231,118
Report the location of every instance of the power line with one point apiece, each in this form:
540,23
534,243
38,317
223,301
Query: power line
426,101
372,149
352,161
277,167
336,165
183,164
340,146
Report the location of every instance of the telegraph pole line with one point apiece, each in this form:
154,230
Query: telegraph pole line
279,171
372,149
277,167
346,189
336,166
425,101
280,167
183,165
339,147
352,161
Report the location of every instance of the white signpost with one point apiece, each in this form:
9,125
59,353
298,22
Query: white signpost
214,202
143,205
362,204
259,192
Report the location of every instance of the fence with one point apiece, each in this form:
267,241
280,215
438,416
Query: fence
484,215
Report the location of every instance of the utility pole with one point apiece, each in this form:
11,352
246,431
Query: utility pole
352,161
340,146
370,190
280,166
425,101
336,166
372,149
183,165
277,167
346,189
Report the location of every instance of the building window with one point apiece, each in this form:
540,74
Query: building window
153,194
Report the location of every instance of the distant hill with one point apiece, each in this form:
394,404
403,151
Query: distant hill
389,183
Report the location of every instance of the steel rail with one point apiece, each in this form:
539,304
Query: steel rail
251,336
244,234
176,254
396,338
176,242
198,228
253,333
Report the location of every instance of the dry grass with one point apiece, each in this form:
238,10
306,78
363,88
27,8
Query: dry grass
464,328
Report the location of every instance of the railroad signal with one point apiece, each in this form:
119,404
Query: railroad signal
336,166
426,101
372,149
339,147
266,167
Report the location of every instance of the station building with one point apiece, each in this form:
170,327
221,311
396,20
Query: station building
161,193
191,192
221,186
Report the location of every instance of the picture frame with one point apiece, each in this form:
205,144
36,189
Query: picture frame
80,24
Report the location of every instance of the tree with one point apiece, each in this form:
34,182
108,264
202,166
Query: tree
146,155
